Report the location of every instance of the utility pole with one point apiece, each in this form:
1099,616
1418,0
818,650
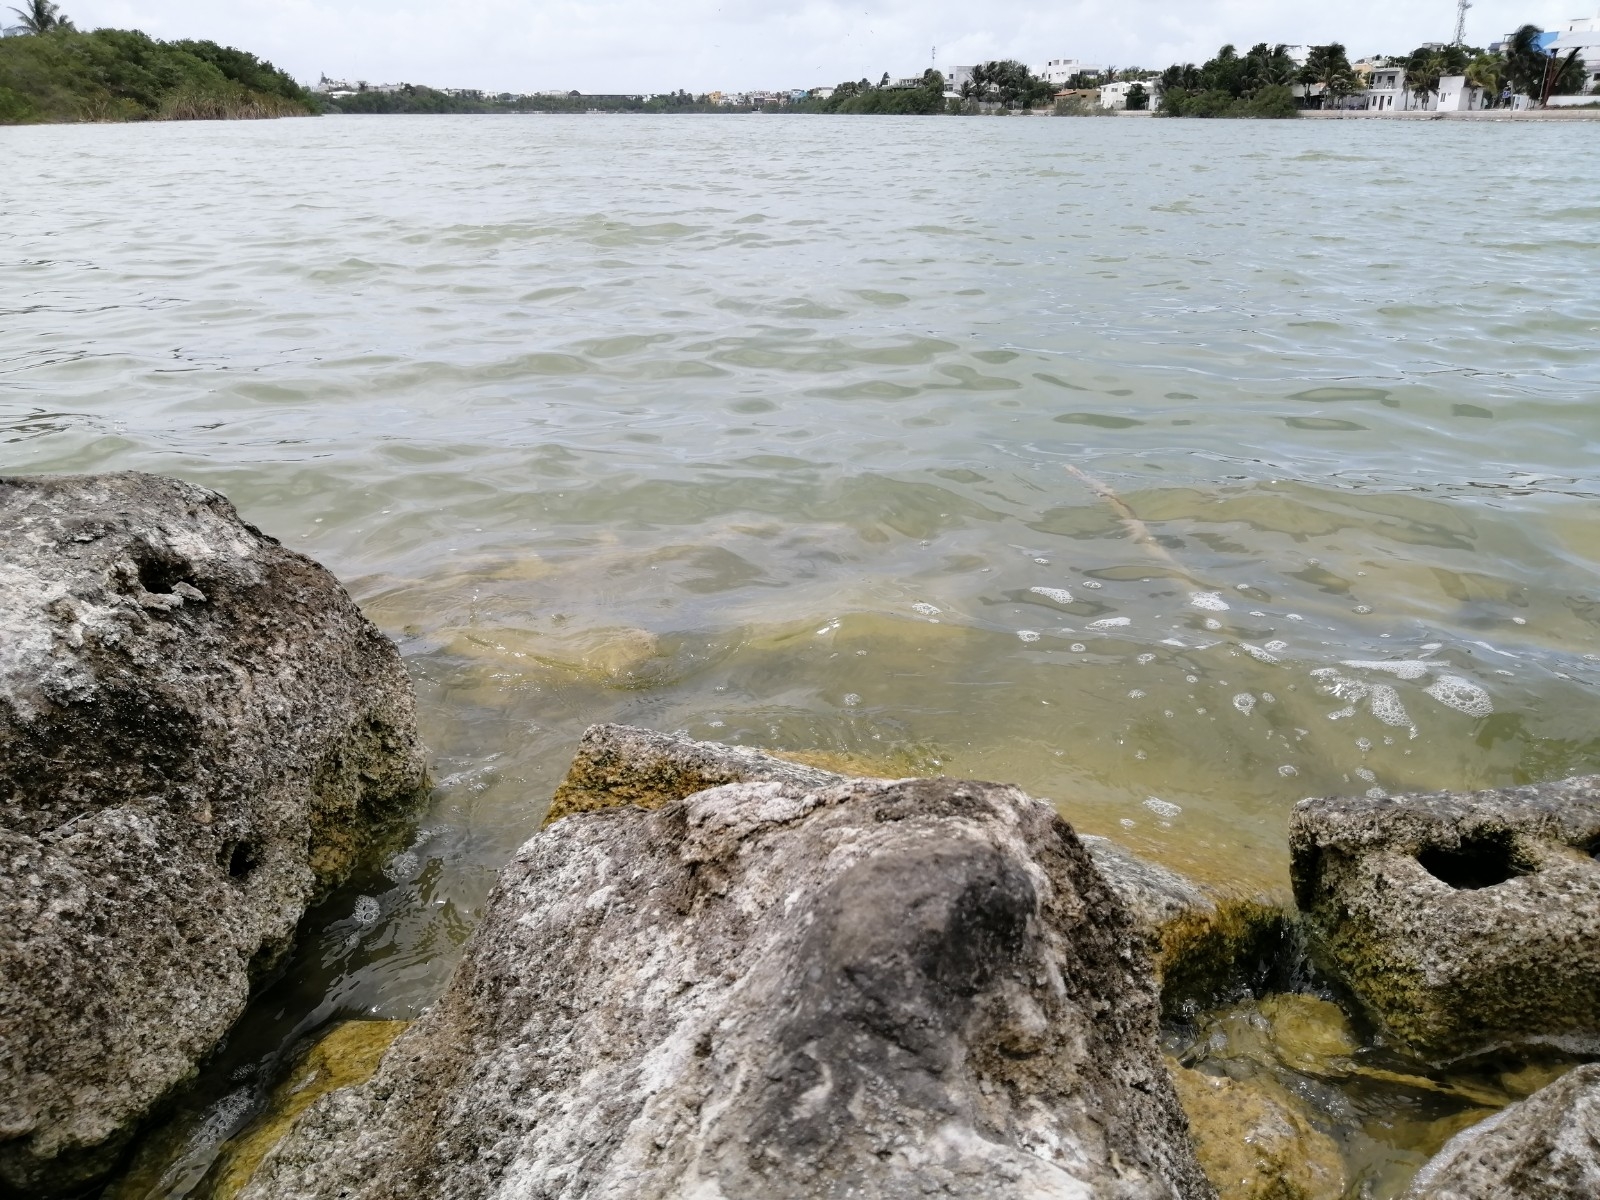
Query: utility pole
1461,22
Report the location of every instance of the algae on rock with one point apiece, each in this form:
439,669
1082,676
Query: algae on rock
1463,923
1255,1140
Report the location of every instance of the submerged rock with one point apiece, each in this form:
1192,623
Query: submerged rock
1546,1147
764,989
1255,1139
1461,922
198,732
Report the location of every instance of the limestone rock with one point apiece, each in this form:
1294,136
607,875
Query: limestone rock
869,989
1254,1139
1205,942
1546,1147
1461,922
198,731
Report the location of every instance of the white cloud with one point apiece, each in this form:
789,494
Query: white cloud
644,45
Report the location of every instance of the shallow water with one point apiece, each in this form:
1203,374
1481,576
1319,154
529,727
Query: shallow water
1124,460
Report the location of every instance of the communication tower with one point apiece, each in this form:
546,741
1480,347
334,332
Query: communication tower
1461,21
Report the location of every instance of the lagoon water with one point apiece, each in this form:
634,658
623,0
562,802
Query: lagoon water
1172,470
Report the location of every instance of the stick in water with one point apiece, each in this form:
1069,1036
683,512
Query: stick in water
1137,529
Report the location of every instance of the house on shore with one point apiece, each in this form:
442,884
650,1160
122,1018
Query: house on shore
1058,72
1388,90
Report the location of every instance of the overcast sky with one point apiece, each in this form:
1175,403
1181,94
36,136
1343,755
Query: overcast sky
661,45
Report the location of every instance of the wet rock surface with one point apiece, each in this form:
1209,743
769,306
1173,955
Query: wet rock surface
765,989
1546,1147
198,732
1462,923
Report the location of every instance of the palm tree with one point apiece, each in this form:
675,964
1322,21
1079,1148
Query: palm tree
41,17
1330,66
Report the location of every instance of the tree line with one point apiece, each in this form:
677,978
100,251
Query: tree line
1261,82
53,72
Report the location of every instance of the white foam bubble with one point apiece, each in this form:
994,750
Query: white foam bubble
1363,608
401,867
1366,774
1059,595
852,700
1213,624
1209,601
1245,703
1110,623
1377,794
1268,698
1258,652
1145,660
1162,808
1461,694
1276,646
1027,635
1363,744
927,610
1136,694
1128,823
366,911
1091,583
1385,704
1078,647
1404,669
1288,771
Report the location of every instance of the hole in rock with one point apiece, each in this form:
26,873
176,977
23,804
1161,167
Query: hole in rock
158,576
1593,848
240,858
1481,860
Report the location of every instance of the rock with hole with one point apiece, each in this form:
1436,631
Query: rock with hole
198,732
1546,1147
1462,922
886,989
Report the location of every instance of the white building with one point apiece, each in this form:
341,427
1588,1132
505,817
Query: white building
1387,92
956,78
1057,71
1115,95
1583,35
1455,94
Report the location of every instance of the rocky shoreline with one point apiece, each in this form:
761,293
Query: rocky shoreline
715,971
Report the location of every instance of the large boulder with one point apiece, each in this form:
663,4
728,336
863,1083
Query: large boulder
198,731
868,989
1546,1147
1208,943
1461,922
